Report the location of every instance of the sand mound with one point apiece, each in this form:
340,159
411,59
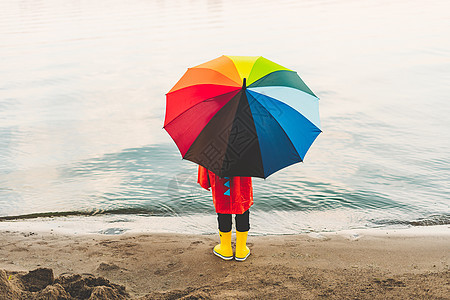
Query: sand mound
41,284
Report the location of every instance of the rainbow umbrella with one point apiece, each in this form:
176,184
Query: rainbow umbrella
242,116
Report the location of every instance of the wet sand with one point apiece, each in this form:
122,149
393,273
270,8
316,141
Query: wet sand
173,266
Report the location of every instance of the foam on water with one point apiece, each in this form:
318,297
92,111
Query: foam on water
116,225
262,223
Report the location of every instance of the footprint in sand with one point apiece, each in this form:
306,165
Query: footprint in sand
19,249
196,243
107,267
169,268
178,251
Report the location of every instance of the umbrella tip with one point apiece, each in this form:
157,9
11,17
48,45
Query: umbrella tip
244,83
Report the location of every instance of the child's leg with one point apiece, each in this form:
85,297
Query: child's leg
224,221
243,221
224,250
242,227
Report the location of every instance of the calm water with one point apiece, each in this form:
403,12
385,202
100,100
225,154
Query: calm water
82,99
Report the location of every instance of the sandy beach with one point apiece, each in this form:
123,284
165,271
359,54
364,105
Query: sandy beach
173,266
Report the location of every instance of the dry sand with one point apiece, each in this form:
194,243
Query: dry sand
171,266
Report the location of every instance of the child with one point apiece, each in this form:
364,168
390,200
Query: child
231,195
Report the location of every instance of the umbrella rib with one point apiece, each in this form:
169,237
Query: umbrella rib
228,103
286,87
289,139
187,76
262,78
238,83
187,87
259,146
196,105
250,73
274,71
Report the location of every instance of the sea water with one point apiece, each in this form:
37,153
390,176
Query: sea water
82,101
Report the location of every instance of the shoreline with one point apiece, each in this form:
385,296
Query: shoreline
165,265
261,225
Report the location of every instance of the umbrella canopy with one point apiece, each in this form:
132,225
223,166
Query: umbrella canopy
242,116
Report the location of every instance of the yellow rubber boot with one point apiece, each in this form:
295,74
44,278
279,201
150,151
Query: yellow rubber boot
242,251
224,250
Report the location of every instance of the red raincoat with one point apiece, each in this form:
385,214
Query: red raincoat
233,195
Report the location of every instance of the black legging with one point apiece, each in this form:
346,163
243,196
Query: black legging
242,222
